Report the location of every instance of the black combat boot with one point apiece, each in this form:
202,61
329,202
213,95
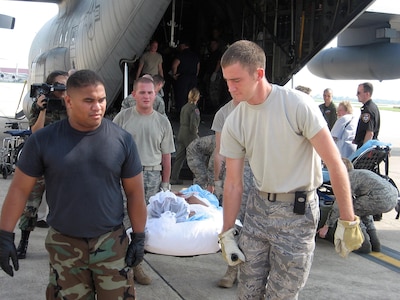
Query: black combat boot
375,243
377,217
366,245
23,244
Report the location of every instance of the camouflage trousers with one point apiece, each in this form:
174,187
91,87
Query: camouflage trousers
89,269
248,185
278,246
152,183
29,217
377,201
200,160
367,223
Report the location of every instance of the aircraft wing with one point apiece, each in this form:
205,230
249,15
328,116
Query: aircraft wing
368,49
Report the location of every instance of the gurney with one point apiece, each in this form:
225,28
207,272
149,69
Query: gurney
370,156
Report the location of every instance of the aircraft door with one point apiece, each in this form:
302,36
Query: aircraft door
49,61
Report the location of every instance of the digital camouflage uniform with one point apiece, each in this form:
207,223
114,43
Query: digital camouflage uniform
372,195
28,219
248,185
200,159
278,244
283,229
153,181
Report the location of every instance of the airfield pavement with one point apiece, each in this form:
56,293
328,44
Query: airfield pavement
195,277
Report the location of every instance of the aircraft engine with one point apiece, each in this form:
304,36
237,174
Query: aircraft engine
370,62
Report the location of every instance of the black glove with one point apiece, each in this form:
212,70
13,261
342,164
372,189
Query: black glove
135,252
7,251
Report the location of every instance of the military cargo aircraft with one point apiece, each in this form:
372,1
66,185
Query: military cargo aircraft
109,36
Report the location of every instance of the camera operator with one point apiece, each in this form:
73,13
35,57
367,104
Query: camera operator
39,117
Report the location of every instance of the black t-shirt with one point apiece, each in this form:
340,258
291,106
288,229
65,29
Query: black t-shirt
369,121
82,173
188,63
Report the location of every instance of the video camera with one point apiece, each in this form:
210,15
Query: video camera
53,104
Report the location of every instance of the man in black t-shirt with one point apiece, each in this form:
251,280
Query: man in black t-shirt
185,69
84,159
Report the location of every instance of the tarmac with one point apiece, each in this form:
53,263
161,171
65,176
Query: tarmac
375,276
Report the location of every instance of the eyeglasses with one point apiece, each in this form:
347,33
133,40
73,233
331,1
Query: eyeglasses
358,93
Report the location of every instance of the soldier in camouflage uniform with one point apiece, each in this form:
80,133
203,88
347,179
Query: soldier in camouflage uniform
158,104
284,136
230,276
40,117
85,159
200,160
372,194
154,137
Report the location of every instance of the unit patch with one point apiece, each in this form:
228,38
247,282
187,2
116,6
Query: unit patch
366,117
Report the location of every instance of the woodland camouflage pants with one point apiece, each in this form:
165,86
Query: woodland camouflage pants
89,269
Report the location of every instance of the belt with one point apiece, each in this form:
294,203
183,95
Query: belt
152,168
283,197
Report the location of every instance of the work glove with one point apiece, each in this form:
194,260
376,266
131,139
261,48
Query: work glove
7,251
218,189
348,236
165,186
230,250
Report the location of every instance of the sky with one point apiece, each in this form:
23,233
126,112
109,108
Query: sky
30,17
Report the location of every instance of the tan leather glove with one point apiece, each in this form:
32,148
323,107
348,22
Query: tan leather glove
230,250
348,236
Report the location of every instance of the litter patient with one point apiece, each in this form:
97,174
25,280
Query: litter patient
372,194
183,224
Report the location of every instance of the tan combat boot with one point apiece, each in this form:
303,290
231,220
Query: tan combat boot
229,278
140,276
